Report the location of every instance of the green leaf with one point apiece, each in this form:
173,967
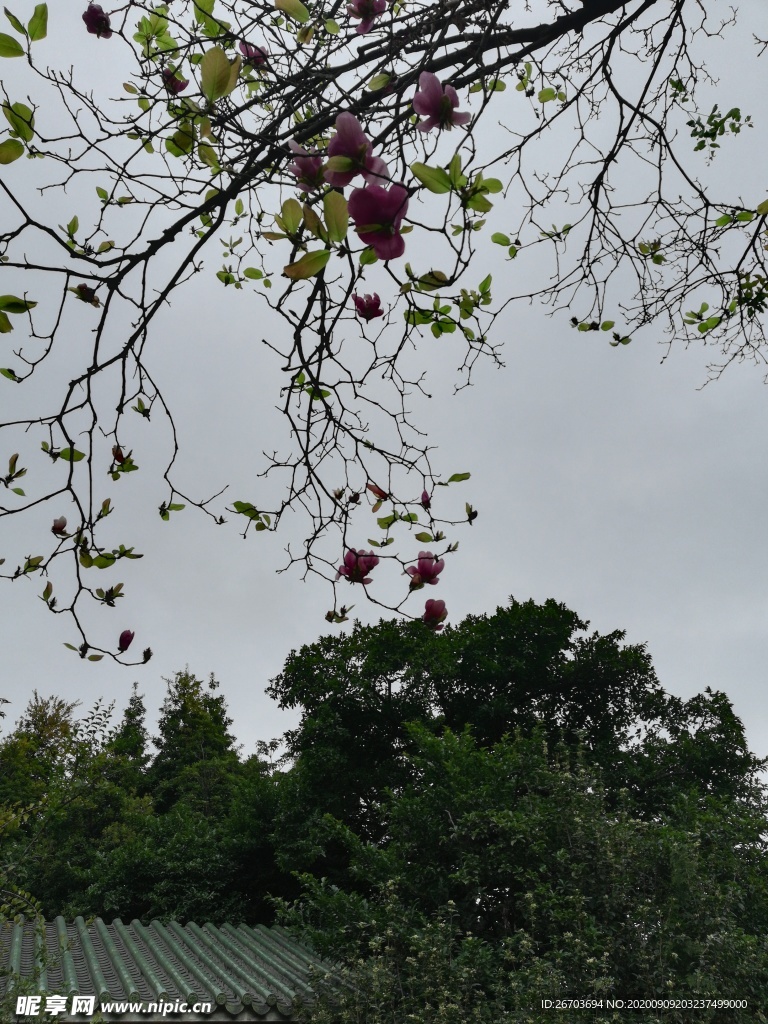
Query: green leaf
15,22
723,221
18,490
606,325
332,28
379,82
367,257
208,156
10,150
130,88
340,164
500,239
10,374
253,274
105,246
105,561
21,119
311,263
386,521
71,455
247,509
218,76
433,178
10,304
424,537
546,95
95,657
38,24
762,209
336,215
291,214
10,47
295,10
409,517
457,478
176,508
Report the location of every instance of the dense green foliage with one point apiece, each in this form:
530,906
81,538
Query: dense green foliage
471,822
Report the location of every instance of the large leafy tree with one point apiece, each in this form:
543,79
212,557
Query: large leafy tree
321,140
512,874
527,668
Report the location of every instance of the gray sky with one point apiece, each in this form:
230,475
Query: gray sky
603,479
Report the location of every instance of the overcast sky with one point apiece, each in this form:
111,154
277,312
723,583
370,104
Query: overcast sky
603,478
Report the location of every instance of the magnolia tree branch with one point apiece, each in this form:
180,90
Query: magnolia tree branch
317,138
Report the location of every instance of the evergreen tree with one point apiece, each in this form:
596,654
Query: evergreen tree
196,755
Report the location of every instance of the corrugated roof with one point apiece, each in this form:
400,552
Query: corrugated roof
243,973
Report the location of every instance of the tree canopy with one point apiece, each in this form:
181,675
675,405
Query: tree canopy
514,797
353,161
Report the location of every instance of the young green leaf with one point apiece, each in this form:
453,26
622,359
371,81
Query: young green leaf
295,10
311,263
336,215
433,178
10,150
71,455
10,47
38,24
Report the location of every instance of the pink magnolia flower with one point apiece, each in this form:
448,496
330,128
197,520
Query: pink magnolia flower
59,526
435,614
97,22
254,55
368,11
426,570
357,566
351,153
125,641
377,491
378,214
307,167
438,105
173,84
368,307
426,501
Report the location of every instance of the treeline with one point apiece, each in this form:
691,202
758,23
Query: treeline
473,821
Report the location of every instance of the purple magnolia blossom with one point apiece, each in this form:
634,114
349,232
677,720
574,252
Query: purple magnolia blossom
368,11
378,215
352,148
307,167
97,22
426,501
357,566
254,55
59,526
436,104
368,307
426,570
173,84
125,641
435,614
86,294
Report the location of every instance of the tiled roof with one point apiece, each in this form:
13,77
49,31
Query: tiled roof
244,973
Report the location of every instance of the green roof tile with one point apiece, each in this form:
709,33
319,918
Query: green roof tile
242,973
